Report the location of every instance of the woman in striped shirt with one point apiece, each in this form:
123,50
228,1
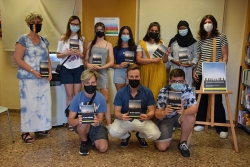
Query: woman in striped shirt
208,31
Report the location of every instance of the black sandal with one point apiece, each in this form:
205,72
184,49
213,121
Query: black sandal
27,141
45,133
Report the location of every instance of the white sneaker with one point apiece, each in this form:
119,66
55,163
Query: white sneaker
223,135
198,128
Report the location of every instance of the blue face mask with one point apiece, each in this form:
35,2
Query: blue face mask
183,32
125,38
177,86
74,28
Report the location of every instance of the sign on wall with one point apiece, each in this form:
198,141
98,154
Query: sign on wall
112,25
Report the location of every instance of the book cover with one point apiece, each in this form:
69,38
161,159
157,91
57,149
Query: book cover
134,108
88,113
214,76
44,69
74,44
174,99
129,56
160,51
97,59
183,57
247,98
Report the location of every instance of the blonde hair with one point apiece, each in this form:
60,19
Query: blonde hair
32,15
87,74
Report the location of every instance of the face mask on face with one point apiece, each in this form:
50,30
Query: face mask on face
74,28
134,83
208,27
125,38
36,28
99,34
183,32
153,35
90,89
177,86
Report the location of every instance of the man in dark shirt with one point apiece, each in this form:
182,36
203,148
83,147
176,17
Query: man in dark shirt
126,100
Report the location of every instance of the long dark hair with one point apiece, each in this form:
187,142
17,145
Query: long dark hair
95,38
68,31
131,42
202,34
147,38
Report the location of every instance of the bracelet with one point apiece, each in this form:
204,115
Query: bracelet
31,70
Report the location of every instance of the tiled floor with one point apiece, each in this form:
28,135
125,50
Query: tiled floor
60,149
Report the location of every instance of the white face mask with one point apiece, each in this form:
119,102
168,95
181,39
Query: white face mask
208,27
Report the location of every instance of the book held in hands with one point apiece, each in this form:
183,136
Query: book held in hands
44,69
174,99
134,108
214,76
183,57
160,51
88,113
129,56
74,44
97,59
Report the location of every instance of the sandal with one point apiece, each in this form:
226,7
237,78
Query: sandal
70,128
45,133
24,137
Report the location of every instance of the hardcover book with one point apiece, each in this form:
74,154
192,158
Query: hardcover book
214,76
134,108
160,51
88,113
97,59
44,69
74,44
183,57
174,99
129,56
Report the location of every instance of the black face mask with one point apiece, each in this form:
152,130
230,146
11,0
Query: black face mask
36,28
90,89
134,83
99,34
153,35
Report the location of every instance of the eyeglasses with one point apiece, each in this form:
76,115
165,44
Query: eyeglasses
175,81
73,24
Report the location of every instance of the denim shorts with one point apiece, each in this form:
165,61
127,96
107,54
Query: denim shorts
96,132
120,75
71,76
166,127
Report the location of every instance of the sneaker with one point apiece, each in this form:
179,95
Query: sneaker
84,148
142,141
198,128
125,142
184,149
223,135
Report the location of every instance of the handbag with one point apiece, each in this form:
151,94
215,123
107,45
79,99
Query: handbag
59,66
67,109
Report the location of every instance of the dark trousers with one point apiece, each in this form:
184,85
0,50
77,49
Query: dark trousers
219,111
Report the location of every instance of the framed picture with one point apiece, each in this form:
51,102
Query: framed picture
112,25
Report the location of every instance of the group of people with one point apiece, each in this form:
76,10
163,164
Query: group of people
144,79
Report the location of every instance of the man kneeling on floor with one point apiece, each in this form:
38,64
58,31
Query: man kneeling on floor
96,130
182,115
137,98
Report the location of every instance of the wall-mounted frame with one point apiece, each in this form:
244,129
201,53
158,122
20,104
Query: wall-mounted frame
112,25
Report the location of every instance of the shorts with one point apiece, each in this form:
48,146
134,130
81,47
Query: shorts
96,132
71,76
166,127
120,75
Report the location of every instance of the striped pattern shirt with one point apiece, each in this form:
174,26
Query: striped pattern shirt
205,48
